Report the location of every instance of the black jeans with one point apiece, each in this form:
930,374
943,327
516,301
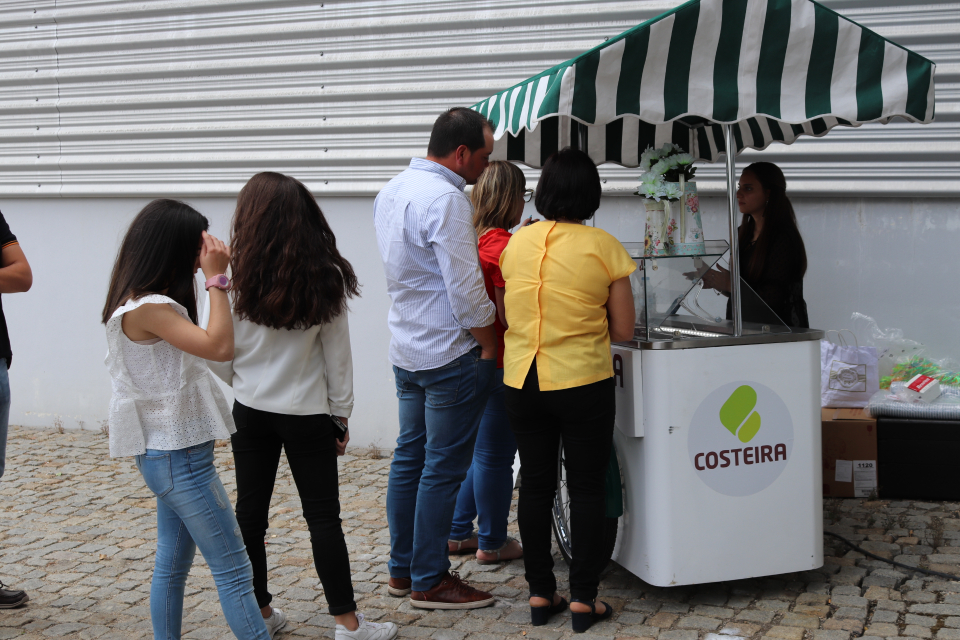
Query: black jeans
309,445
582,418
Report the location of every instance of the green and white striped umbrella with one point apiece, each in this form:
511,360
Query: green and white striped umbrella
776,69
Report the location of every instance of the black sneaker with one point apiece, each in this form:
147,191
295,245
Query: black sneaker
10,598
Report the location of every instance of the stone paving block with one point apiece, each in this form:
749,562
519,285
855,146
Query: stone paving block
948,634
738,629
713,611
935,609
848,576
831,634
923,597
785,633
851,613
754,615
849,601
916,631
891,605
881,615
797,620
674,607
642,606
678,634
812,598
662,620
702,623
883,629
847,624
637,631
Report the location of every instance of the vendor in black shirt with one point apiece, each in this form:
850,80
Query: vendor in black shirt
772,256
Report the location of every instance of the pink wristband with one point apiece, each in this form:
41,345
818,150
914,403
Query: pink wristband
219,281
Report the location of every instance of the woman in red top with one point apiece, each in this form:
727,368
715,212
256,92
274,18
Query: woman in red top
488,488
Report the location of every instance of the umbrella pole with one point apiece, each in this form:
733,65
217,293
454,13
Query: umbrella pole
732,208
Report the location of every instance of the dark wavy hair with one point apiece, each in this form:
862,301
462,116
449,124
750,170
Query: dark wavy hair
779,221
287,271
569,186
158,255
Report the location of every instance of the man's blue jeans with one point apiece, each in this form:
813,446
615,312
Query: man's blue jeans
488,489
440,411
4,413
193,510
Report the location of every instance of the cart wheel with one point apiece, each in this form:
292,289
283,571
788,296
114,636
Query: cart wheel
561,518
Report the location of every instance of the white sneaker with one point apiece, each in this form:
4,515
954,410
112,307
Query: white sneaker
275,621
367,630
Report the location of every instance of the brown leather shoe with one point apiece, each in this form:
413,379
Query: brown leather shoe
398,586
451,593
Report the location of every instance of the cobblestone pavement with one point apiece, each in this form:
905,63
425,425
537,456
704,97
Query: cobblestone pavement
77,531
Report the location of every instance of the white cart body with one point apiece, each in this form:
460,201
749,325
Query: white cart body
763,514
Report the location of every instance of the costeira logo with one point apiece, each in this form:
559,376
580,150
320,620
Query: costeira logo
740,438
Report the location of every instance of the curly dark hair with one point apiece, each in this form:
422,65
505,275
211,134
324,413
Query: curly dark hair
287,271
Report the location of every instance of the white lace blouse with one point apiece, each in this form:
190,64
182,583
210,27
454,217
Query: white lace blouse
163,398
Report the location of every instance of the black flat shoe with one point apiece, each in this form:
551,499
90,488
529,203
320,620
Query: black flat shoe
583,621
540,616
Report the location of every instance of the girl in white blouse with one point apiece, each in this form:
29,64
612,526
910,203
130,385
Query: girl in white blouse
292,378
167,409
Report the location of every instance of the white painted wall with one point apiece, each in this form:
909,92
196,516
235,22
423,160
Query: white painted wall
895,260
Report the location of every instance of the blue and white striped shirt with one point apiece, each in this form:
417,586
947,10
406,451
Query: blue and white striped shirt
429,250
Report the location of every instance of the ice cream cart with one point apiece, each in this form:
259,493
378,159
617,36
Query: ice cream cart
718,431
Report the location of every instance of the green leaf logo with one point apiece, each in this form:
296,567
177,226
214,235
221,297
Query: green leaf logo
738,416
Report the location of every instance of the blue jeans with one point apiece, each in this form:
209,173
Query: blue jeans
488,489
193,510
440,411
4,413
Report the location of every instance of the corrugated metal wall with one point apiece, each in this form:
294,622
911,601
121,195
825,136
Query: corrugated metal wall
190,97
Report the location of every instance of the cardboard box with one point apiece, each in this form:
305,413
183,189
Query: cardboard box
850,437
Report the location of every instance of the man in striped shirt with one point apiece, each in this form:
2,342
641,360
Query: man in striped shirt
443,352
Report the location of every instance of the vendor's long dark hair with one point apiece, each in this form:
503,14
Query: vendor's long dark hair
779,221
158,255
287,271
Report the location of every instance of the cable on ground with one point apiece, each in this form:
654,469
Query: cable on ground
858,549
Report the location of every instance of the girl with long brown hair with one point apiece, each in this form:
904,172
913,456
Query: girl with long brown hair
292,377
486,492
167,410
773,259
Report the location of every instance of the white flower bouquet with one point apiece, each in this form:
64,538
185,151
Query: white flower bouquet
667,175
663,170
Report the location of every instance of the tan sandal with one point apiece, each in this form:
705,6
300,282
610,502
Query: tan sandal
460,547
511,550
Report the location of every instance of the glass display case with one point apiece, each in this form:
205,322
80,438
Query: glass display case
672,305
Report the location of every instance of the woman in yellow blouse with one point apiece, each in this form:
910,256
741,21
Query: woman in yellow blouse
567,297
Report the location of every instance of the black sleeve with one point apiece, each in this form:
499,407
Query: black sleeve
782,269
6,236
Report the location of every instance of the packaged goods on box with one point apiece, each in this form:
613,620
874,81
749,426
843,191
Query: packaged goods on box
920,388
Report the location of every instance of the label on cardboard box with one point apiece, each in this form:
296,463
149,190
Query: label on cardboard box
844,471
864,478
